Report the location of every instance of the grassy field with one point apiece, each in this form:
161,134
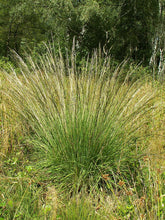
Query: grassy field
81,142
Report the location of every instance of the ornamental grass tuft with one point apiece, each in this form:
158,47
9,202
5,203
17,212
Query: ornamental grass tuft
85,122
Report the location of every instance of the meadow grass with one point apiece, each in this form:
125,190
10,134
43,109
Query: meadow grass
86,134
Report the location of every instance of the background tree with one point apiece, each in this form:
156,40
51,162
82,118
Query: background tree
127,27
157,59
138,21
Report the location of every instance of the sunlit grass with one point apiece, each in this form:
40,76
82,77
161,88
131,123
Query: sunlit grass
85,123
82,131
12,128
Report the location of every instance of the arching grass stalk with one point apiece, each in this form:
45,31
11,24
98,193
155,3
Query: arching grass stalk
85,123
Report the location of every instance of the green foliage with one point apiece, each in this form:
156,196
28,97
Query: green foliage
79,208
19,199
138,20
18,195
84,123
119,27
85,127
5,64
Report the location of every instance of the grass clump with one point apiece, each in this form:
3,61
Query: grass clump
84,122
